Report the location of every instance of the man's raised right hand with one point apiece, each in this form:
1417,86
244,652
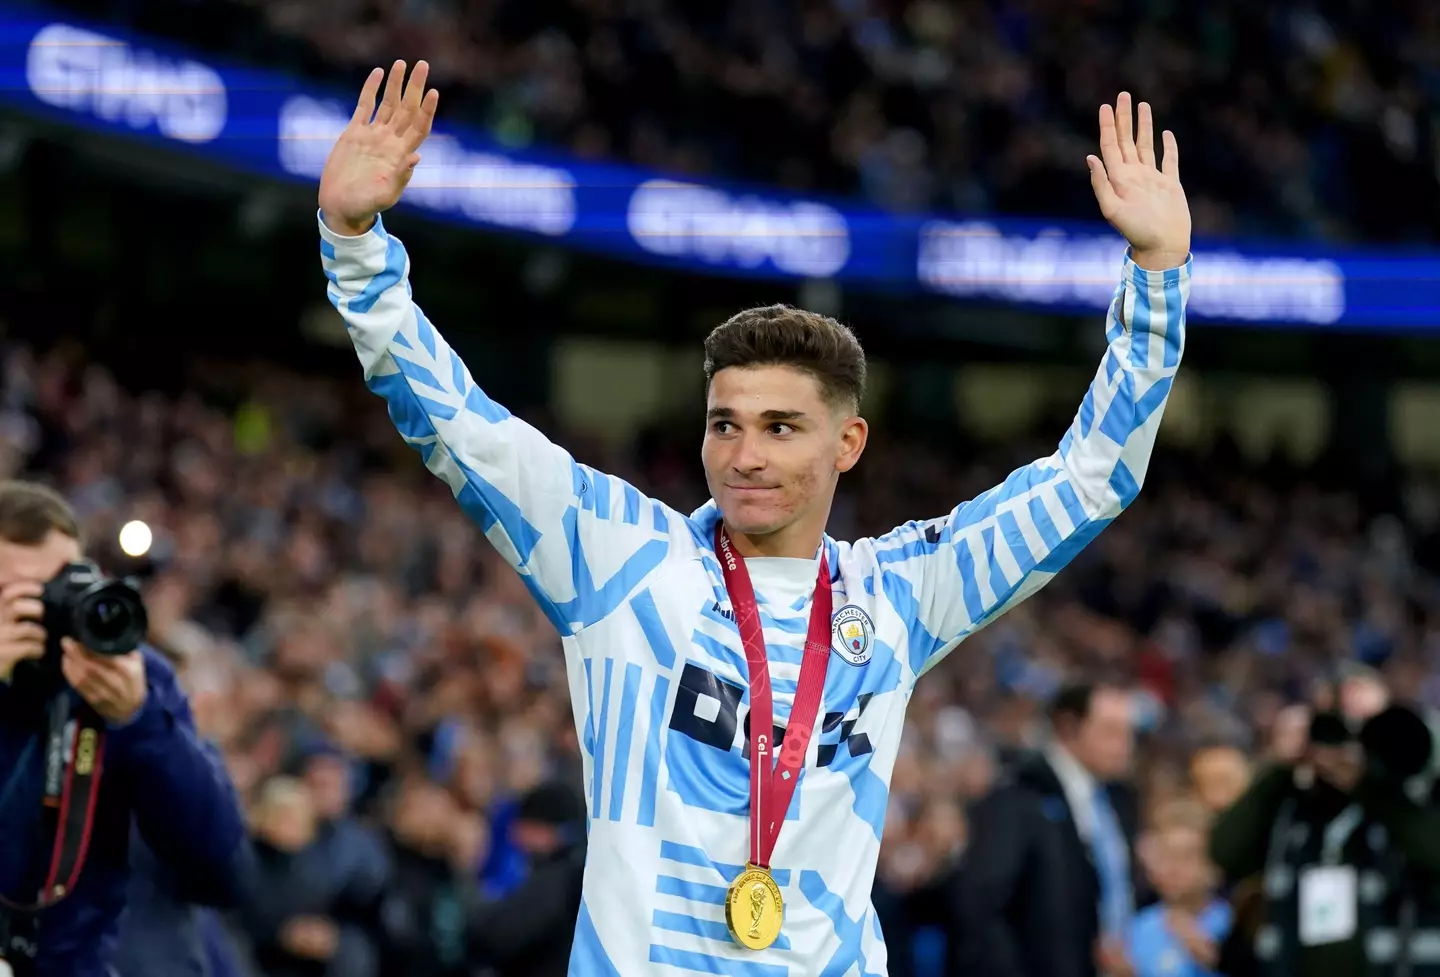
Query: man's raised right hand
375,156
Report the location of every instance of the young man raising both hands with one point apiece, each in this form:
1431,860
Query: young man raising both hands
685,635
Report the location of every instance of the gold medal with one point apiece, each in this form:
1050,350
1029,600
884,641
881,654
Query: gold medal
754,909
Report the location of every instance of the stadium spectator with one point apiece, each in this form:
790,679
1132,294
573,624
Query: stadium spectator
1048,883
1220,773
515,934
1349,858
1181,934
428,901
286,909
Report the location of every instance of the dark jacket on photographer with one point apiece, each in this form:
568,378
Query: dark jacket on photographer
155,775
1285,826
165,931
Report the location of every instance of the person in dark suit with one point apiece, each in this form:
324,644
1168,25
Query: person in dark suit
1047,885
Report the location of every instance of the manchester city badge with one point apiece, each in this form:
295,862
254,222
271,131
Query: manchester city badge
853,634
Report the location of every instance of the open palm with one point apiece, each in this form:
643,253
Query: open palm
375,156
1142,201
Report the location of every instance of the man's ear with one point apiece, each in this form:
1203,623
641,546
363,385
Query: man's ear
854,433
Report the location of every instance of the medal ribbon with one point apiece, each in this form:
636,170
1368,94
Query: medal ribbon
773,785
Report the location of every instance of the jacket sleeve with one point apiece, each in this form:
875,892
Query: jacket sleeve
180,793
955,574
581,540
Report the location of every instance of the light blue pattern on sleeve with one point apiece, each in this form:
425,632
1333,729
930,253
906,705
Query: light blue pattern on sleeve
561,525
949,577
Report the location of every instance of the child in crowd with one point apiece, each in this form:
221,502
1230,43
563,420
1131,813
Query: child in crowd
1180,936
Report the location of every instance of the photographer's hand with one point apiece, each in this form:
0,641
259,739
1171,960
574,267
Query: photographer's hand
21,635
113,685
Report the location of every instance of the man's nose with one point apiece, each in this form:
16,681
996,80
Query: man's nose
749,456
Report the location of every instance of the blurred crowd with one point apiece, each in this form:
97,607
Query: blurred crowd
1312,118
393,706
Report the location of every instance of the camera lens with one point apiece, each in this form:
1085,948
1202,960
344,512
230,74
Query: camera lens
107,618
111,621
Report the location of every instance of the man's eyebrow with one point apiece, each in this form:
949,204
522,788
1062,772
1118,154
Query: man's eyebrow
727,413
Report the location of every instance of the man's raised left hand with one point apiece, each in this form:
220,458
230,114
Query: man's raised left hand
1141,200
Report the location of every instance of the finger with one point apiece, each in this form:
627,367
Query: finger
1170,165
21,588
1145,135
25,647
365,107
415,90
425,119
79,672
25,609
1100,183
97,685
111,665
74,672
74,649
1109,139
26,631
1124,127
390,101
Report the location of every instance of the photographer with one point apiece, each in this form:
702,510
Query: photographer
1346,855
95,735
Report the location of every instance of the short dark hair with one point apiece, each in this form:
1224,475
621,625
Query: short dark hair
1072,703
780,335
29,512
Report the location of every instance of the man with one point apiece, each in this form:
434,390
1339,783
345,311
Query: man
515,934
352,855
1348,855
1046,889
152,767
686,636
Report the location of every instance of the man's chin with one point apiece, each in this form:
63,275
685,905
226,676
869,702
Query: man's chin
739,519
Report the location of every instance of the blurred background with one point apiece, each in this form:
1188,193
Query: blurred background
387,695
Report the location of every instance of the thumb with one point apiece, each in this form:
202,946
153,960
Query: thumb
1100,183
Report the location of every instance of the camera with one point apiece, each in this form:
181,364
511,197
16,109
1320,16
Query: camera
104,614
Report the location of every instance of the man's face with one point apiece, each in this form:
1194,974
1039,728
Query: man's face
37,563
289,825
1104,740
774,447
1221,775
329,781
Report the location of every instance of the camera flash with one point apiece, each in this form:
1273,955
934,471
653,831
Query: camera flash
135,538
